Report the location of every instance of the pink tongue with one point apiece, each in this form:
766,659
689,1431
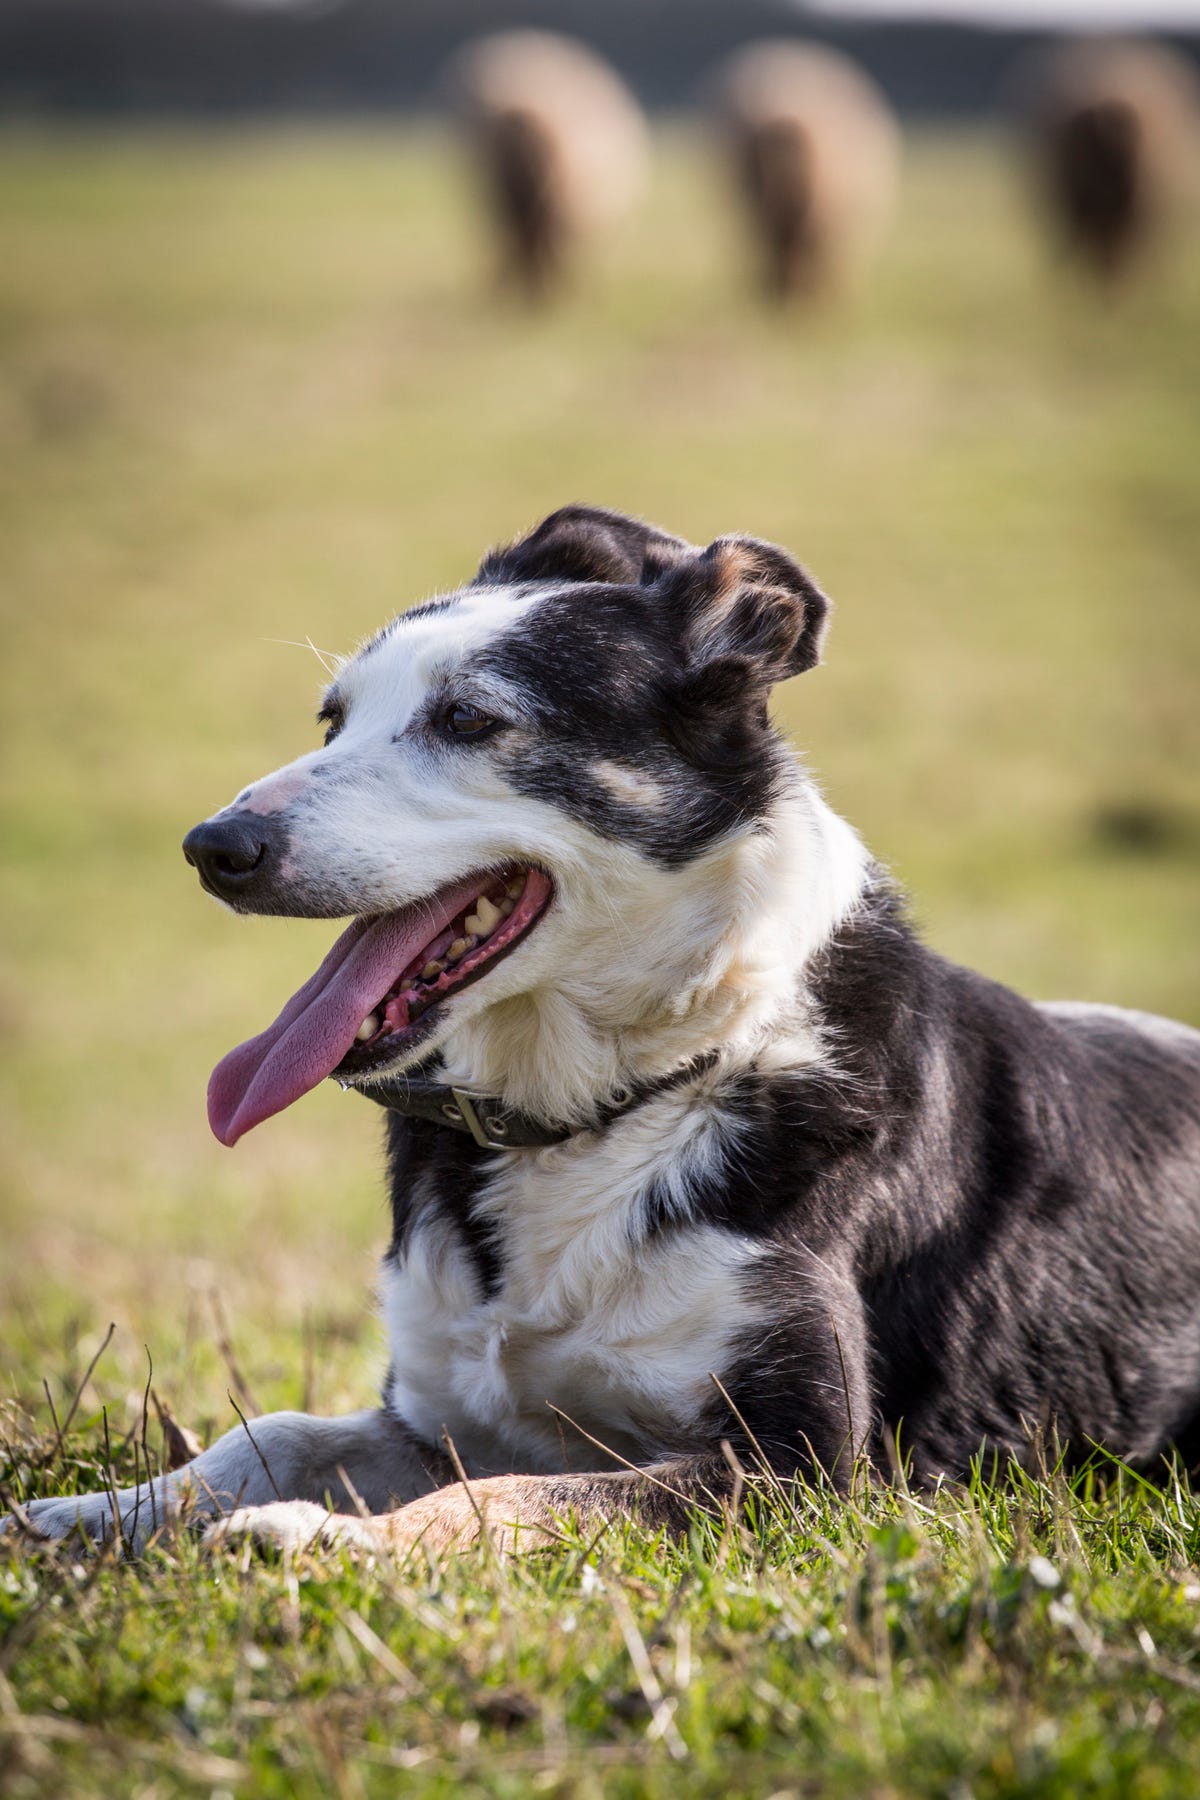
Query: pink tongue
318,1025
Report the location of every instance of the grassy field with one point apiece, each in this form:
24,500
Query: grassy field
254,391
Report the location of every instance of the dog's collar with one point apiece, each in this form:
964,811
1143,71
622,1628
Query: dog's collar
497,1126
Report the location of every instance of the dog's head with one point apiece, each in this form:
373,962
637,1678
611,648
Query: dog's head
527,792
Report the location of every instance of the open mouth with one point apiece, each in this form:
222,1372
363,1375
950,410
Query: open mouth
483,930
376,995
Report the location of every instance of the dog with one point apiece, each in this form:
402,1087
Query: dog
700,1162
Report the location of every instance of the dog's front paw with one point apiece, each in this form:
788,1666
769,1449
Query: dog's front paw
86,1518
14,1531
290,1526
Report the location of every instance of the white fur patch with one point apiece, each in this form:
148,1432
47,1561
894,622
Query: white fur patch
619,1331
639,967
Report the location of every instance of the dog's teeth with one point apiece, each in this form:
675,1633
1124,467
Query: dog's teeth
484,920
432,970
516,888
506,907
458,948
368,1028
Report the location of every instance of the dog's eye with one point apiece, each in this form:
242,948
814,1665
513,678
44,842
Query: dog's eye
332,718
465,720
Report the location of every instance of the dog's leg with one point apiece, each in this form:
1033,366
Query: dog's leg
366,1459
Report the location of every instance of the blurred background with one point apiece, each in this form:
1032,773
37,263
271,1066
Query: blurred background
269,372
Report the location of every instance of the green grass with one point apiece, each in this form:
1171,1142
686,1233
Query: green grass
1035,1641
252,389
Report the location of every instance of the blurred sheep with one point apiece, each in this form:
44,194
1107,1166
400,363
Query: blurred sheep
1116,138
816,152
558,140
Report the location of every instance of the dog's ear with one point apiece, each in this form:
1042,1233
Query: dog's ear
586,543
749,604
748,616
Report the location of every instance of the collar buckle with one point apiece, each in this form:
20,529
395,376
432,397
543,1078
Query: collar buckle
483,1116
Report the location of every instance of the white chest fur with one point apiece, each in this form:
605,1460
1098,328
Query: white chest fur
619,1330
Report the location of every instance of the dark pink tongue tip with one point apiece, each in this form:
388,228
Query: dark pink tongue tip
222,1118
231,1098
219,1126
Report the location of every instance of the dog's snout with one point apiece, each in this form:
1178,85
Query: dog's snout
227,854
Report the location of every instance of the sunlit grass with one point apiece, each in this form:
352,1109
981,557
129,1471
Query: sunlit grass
1037,1637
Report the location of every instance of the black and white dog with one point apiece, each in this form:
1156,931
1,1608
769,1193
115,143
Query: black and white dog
690,1139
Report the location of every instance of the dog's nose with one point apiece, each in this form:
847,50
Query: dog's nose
226,853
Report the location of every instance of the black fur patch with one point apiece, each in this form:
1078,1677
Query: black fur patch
657,658
585,543
1012,1198
448,1169
602,671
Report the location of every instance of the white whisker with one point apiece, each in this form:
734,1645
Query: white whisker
328,659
